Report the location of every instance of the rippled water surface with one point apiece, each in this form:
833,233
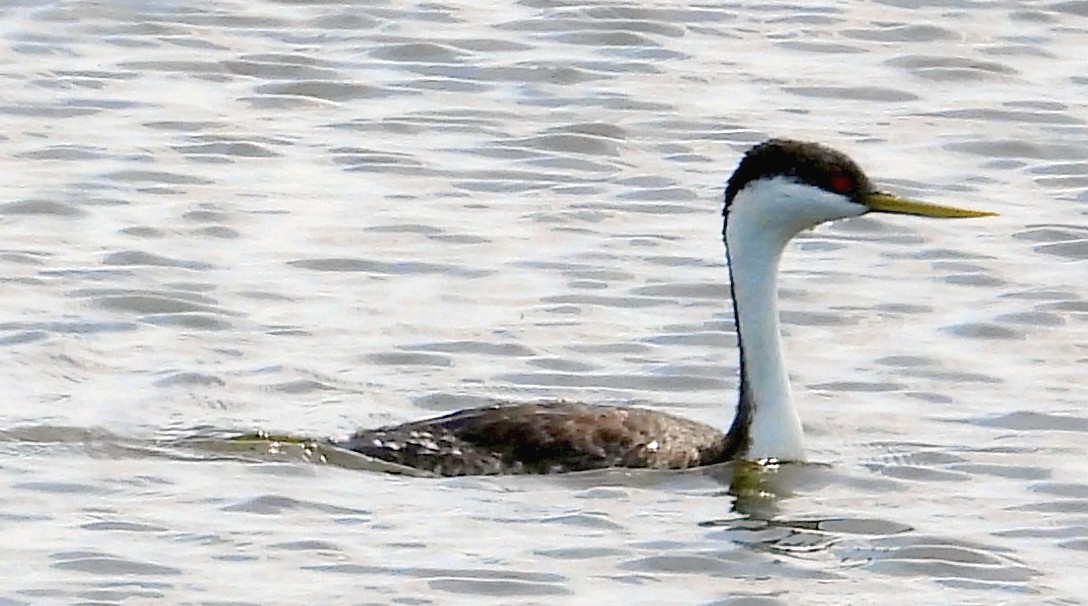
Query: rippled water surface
306,217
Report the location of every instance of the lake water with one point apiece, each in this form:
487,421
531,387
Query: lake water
308,217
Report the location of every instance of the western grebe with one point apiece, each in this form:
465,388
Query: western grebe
780,188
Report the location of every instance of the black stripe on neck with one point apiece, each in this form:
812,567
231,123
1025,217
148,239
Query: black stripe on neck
737,439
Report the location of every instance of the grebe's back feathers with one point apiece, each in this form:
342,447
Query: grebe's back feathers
555,437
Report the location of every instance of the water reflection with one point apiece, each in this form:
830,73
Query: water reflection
759,493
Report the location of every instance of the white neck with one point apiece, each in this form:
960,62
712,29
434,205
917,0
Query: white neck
761,220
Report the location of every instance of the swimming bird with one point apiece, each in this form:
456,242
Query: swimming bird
780,188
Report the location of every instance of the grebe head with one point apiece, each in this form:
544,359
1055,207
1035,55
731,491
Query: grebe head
784,186
780,188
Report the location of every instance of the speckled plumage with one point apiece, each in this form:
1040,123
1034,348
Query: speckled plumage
544,438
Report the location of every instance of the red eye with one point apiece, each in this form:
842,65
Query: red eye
842,184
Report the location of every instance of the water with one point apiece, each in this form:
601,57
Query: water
309,217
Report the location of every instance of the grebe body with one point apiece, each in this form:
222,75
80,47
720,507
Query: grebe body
780,188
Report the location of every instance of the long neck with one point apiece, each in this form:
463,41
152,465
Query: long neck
766,425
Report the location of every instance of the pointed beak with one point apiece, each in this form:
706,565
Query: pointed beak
887,203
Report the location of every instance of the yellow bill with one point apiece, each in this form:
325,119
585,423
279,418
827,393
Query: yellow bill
888,203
